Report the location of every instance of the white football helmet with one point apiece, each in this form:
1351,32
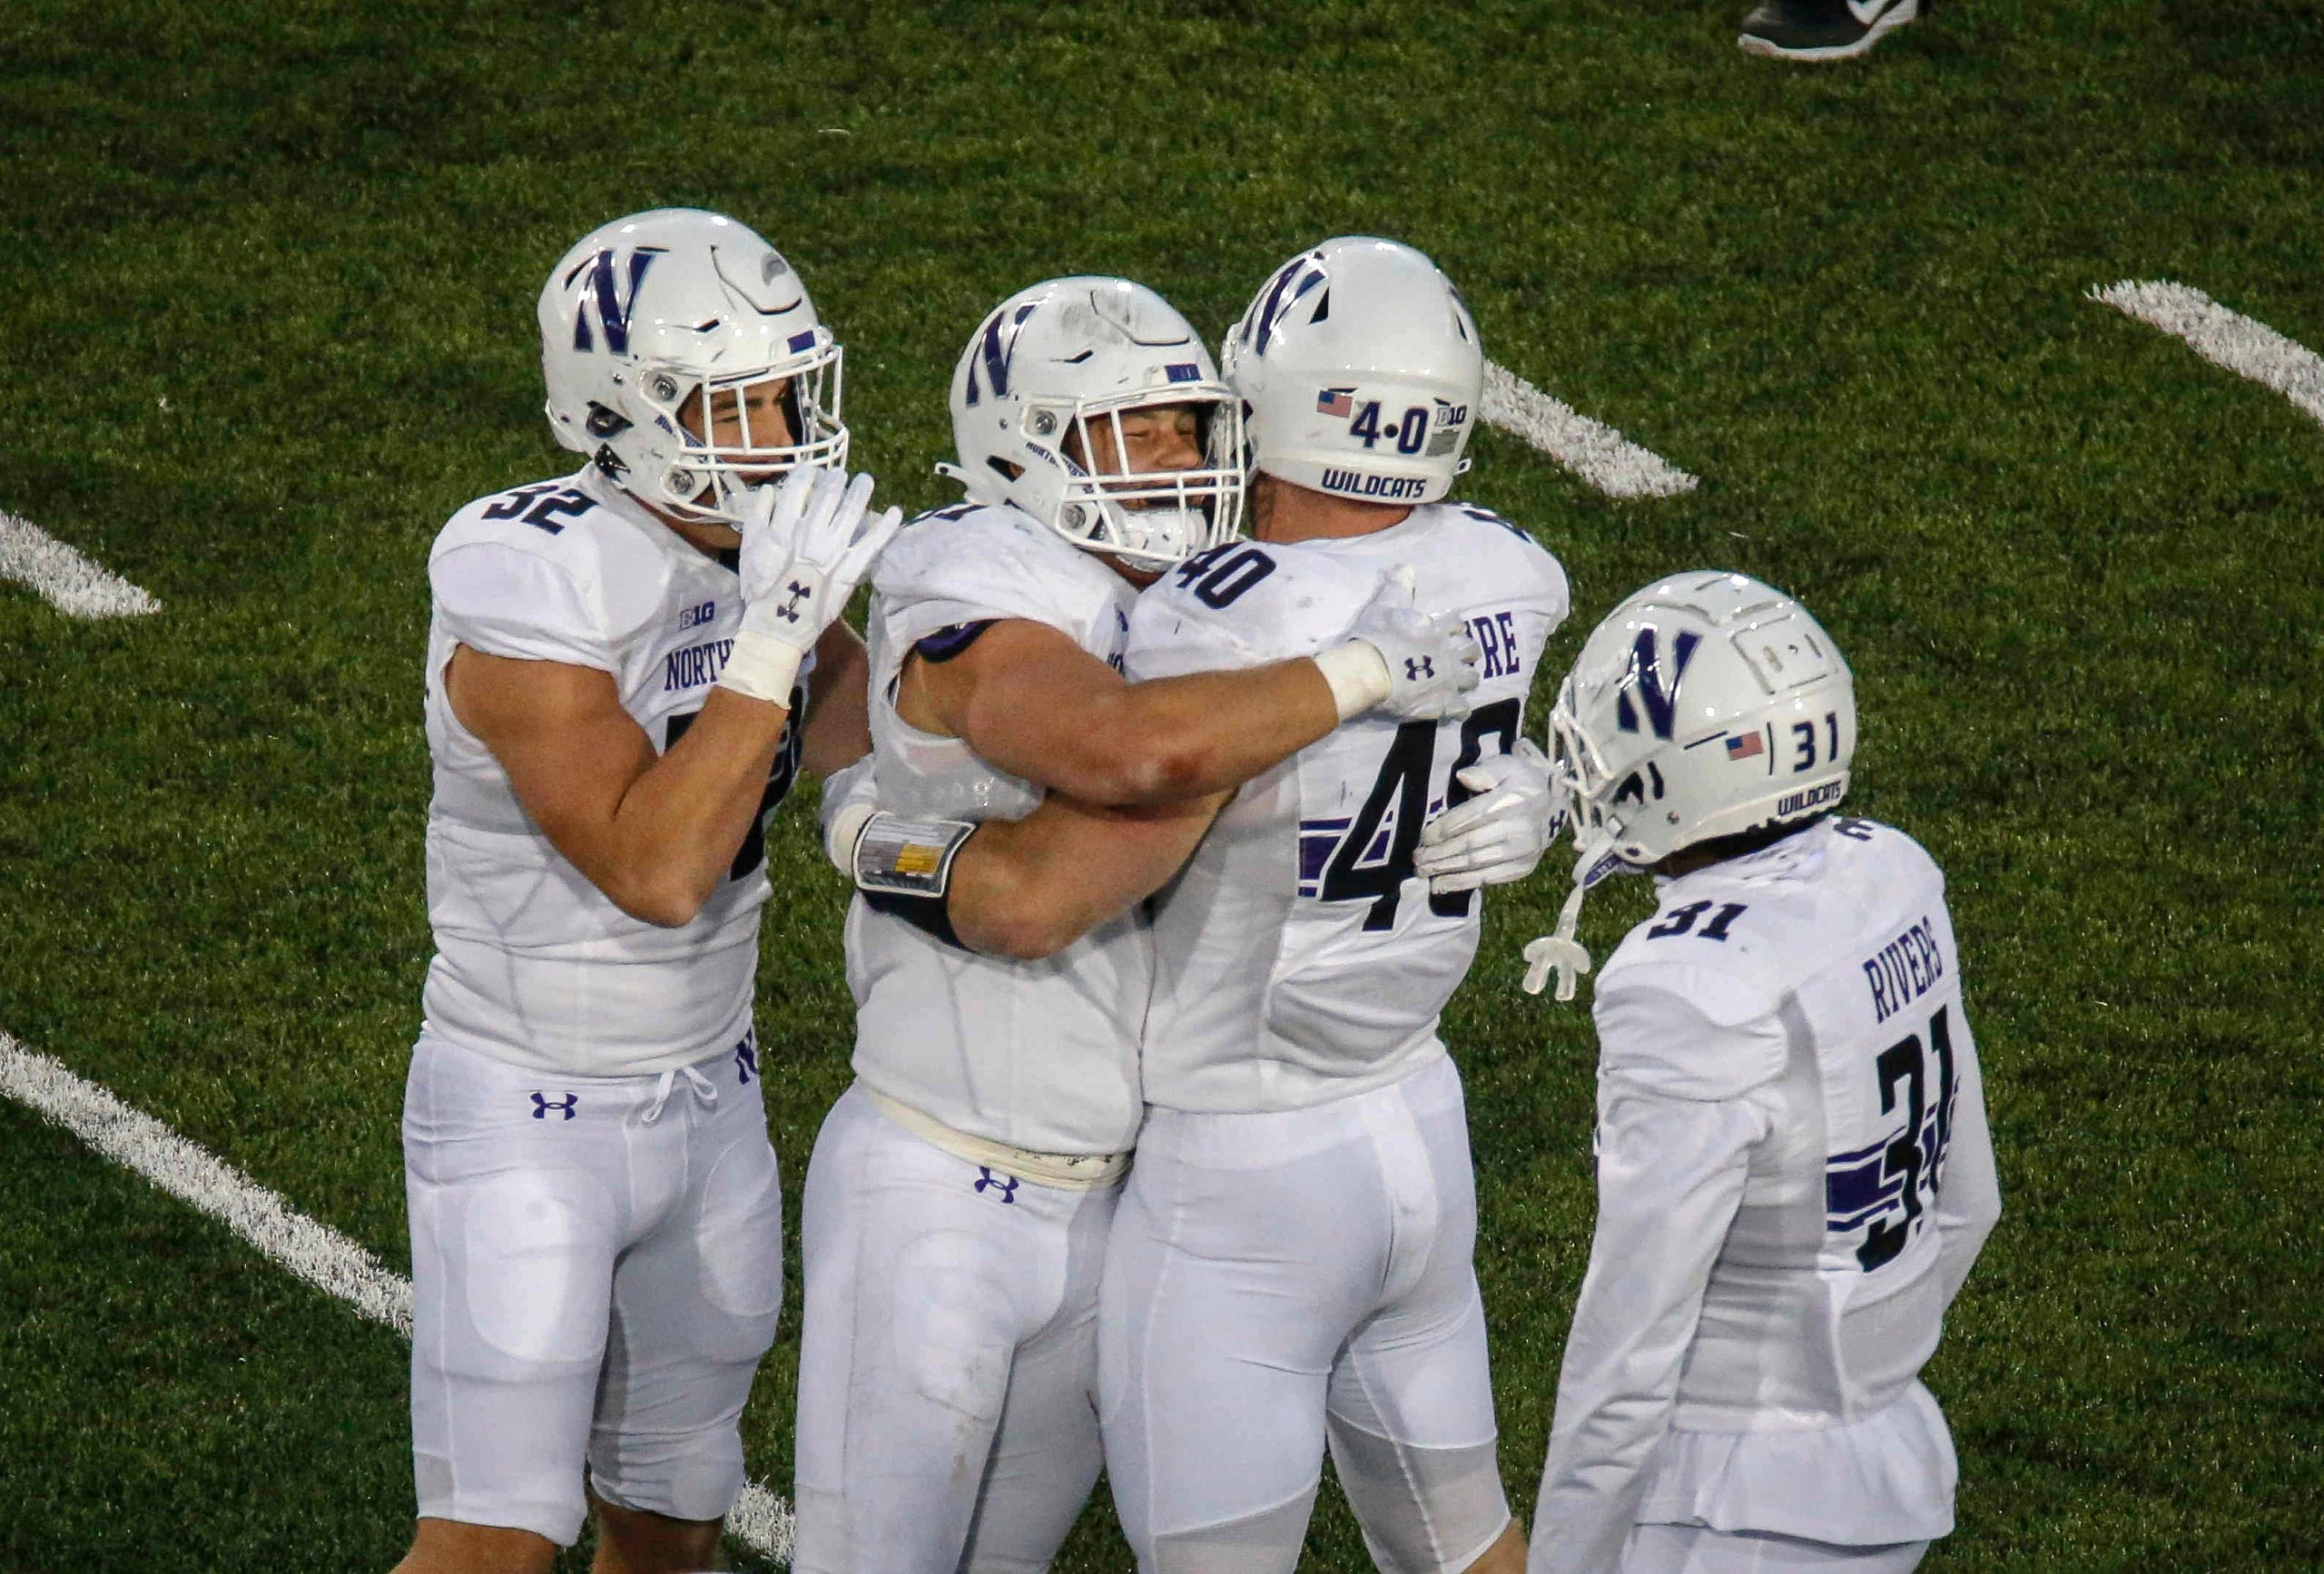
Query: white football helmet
1705,705
1069,358
649,322
1361,373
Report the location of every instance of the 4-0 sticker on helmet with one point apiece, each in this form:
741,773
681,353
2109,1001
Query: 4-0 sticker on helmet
1409,433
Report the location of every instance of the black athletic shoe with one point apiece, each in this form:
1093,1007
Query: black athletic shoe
1823,29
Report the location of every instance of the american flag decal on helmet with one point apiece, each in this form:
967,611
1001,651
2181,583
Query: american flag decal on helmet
1336,401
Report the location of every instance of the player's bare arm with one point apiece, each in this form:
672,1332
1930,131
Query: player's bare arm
836,732
1038,706
1034,703
1030,888
654,834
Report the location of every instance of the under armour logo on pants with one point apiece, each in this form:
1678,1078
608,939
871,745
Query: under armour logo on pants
1006,1185
543,1103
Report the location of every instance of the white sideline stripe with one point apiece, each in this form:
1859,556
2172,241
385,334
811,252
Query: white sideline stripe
76,585
1592,449
313,1251
2245,347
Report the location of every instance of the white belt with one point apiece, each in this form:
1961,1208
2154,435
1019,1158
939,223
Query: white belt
1071,1171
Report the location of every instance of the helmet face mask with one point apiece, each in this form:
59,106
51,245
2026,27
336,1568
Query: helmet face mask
1364,372
668,341
1148,516
1040,399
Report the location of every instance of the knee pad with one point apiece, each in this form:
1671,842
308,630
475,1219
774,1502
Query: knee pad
1423,1510
1268,1543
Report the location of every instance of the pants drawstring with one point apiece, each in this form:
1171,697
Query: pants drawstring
704,1089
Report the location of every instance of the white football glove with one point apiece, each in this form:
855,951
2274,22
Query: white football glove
805,548
1415,665
1500,835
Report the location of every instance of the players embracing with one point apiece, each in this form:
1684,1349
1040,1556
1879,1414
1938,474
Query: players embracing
962,1193
1289,1265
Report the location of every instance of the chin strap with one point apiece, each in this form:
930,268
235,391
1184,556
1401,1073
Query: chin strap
1558,951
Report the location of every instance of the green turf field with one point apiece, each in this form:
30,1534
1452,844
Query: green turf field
268,319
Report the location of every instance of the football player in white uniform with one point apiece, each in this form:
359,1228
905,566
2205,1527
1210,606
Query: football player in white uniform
616,696
1794,1171
1290,1262
959,1198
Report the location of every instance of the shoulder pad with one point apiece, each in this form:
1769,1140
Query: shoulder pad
1688,1032
1271,601
993,561
1522,566
616,568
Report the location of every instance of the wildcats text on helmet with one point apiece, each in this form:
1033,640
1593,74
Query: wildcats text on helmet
1387,487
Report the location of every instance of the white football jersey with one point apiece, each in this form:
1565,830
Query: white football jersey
1039,1055
534,964
1297,958
1794,1176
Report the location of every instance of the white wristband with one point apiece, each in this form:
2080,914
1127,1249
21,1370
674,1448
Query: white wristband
845,831
1358,675
763,667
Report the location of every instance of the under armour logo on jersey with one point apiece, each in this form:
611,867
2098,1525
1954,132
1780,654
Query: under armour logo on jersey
602,292
1662,699
746,1058
1418,667
543,1103
794,593
1005,1184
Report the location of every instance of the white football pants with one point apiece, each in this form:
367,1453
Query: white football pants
1278,1280
948,1359
1699,1550
596,1265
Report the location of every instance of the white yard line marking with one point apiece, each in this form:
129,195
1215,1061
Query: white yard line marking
2225,337
314,1251
1592,449
76,585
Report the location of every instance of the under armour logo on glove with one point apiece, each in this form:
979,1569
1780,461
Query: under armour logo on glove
1006,1185
543,1103
795,593
1418,667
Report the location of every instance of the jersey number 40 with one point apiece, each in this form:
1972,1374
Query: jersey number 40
1374,859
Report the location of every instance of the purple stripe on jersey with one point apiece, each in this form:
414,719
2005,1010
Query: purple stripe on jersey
1859,1154
947,643
1851,1189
